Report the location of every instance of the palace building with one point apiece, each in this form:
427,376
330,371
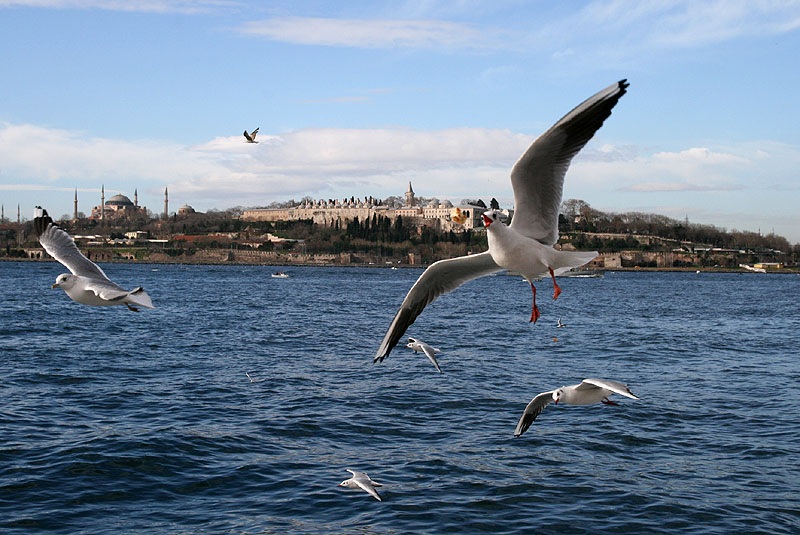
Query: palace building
328,212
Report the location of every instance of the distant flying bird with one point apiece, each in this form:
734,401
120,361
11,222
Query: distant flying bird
360,480
251,137
559,324
526,246
88,284
588,392
430,352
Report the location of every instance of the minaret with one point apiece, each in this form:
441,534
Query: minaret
75,206
409,195
136,198
102,205
166,203
2,213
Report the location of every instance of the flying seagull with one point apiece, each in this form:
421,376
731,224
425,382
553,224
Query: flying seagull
526,246
588,392
430,352
360,480
88,284
251,137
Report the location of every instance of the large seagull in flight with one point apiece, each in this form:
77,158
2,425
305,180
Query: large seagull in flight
525,246
87,284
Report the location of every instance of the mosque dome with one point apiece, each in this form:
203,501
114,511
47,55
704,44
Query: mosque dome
119,200
186,210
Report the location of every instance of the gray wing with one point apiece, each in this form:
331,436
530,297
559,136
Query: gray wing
431,354
106,289
253,133
440,277
247,136
615,386
538,176
363,480
61,246
532,411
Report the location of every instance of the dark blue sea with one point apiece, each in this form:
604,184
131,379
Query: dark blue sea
114,421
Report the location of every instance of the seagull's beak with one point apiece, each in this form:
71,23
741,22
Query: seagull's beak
54,286
486,220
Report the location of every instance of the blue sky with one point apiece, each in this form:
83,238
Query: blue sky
358,98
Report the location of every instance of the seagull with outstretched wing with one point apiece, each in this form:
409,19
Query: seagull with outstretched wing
360,480
251,137
525,246
588,392
87,284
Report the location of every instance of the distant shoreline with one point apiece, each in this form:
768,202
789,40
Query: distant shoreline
206,262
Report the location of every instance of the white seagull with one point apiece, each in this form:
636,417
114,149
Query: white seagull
430,352
251,137
559,324
588,392
526,246
360,480
88,284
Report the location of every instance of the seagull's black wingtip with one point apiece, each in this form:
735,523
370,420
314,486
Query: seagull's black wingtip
41,221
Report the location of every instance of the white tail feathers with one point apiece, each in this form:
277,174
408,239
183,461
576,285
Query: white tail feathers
139,297
566,260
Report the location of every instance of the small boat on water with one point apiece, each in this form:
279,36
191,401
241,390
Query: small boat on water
752,268
280,275
583,273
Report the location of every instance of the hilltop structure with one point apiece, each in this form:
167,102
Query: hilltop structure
117,207
332,211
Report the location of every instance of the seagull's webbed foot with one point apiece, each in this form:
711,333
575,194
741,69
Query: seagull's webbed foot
556,287
131,308
607,401
534,310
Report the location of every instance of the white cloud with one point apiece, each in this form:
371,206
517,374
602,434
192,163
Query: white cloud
42,166
468,161
619,32
227,171
687,23
53,155
630,169
142,6
371,33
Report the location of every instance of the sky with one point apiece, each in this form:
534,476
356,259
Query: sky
358,98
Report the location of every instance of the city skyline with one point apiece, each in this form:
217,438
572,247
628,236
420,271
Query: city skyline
365,96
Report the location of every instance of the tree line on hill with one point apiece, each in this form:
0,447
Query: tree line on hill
578,216
579,224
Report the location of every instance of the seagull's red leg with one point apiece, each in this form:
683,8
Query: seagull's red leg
609,402
556,287
535,310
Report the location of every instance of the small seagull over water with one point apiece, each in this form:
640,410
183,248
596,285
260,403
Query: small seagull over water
525,246
588,392
88,284
430,352
251,137
559,324
360,480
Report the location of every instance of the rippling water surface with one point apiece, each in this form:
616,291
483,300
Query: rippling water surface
116,421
